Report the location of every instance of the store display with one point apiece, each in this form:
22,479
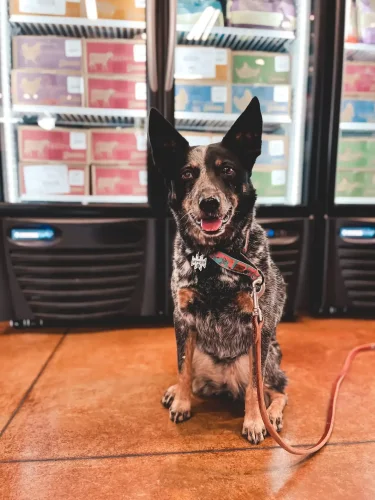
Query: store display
277,14
355,182
47,87
274,100
190,11
119,57
274,151
356,152
131,10
126,146
59,144
198,138
269,181
115,92
359,77
47,52
359,109
260,67
45,179
202,97
118,180
366,20
203,63
65,8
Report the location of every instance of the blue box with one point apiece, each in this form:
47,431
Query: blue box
274,99
357,110
202,97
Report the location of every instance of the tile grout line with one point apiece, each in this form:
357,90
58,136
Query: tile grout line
170,453
33,383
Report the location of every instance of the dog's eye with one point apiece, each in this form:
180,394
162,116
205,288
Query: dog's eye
228,172
187,174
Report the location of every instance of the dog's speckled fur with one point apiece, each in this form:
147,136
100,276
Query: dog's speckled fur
214,303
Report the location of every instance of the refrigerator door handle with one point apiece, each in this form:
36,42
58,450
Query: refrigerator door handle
172,38
151,44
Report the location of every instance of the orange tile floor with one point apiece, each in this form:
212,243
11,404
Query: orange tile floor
80,417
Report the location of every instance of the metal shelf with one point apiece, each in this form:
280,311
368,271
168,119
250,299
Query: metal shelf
77,27
240,38
219,121
360,51
85,200
357,127
81,116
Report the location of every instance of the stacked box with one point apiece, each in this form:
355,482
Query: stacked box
48,88
190,11
115,92
202,63
64,8
274,99
126,146
130,10
366,20
59,144
356,152
274,151
269,181
359,109
359,77
120,57
355,182
260,67
118,180
47,52
45,179
276,14
202,97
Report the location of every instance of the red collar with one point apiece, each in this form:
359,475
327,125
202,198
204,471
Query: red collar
237,266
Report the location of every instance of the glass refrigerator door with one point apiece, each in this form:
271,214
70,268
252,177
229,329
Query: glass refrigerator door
355,173
230,51
74,94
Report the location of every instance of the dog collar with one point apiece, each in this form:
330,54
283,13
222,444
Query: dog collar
237,266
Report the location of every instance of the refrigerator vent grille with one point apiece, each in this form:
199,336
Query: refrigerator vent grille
287,259
358,271
72,284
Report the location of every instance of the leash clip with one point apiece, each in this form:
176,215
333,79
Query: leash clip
258,290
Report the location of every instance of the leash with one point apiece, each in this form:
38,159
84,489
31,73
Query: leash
248,269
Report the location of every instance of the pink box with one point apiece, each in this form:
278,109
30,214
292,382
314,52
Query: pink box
118,180
47,88
118,57
115,92
59,144
127,146
359,77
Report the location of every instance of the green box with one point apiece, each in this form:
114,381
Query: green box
356,183
260,67
356,152
269,181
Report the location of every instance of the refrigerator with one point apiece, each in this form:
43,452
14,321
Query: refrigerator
86,234
347,283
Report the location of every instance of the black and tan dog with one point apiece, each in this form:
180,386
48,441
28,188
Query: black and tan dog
212,200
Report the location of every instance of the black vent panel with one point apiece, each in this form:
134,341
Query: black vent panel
78,284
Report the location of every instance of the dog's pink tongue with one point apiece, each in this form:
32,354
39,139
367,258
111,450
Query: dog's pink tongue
211,224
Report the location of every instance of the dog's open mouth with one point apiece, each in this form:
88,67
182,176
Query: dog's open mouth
213,225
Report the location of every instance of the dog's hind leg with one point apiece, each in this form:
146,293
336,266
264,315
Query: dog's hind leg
178,397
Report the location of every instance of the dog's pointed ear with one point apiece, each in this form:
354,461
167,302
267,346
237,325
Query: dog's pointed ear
244,138
168,147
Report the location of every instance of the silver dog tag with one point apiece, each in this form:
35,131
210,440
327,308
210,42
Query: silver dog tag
198,262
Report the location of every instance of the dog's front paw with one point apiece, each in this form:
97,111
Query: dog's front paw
180,411
276,418
254,430
169,396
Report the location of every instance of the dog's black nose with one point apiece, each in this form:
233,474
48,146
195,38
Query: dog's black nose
209,205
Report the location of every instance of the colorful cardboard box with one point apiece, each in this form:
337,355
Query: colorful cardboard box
202,97
115,92
274,151
276,14
269,182
119,57
59,144
359,109
64,8
359,77
129,10
260,67
356,152
47,52
274,99
366,20
45,179
190,11
126,146
355,183
202,63
42,87
118,180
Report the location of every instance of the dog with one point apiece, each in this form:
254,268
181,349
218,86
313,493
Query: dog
213,203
